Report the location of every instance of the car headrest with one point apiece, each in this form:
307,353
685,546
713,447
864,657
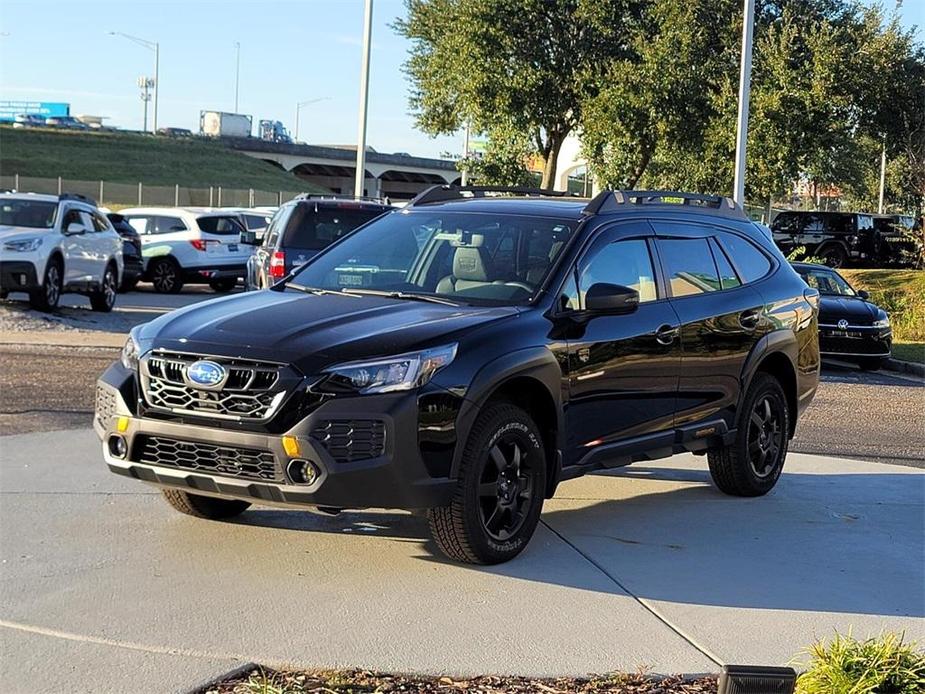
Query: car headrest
470,263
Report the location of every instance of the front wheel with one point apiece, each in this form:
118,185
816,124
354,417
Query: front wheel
104,298
200,506
500,492
46,297
752,463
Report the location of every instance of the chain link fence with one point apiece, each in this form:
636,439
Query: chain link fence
120,195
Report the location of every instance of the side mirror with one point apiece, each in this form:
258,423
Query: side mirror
75,229
864,294
249,238
611,298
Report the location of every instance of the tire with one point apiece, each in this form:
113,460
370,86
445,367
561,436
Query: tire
104,298
46,297
833,256
762,427
223,285
871,363
166,276
500,490
200,506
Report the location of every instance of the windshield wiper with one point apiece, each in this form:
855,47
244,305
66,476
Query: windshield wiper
314,290
401,295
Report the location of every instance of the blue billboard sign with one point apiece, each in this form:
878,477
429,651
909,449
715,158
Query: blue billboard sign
47,109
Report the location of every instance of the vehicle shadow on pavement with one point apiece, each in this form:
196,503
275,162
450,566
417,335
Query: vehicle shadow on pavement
818,542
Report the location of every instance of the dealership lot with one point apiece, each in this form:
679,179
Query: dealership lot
647,566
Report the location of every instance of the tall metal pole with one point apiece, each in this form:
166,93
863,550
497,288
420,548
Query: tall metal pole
157,80
237,73
882,176
465,171
745,78
358,184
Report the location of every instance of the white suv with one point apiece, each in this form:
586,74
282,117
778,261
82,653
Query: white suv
190,245
52,244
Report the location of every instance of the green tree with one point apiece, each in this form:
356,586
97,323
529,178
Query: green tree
525,66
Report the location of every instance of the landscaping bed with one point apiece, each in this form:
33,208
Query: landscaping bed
266,681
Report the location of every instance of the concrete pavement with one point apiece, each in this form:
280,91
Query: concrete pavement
105,588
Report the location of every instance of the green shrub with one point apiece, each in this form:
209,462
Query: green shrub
883,665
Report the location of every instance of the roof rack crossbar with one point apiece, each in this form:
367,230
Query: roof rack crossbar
445,192
613,200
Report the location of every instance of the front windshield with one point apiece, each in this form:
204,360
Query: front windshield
35,214
826,281
460,256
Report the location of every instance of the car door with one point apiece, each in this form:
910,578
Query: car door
622,369
105,243
721,319
72,246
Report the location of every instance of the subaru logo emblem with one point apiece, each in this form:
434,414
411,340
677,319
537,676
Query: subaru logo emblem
205,373
842,324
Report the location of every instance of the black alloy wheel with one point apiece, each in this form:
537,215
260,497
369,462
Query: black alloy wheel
765,436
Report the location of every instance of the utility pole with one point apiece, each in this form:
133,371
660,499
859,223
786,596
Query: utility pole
145,84
465,171
358,185
151,46
237,73
882,175
298,109
745,78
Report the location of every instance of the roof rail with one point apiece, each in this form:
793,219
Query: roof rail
613,200
445,192
341,196
77,196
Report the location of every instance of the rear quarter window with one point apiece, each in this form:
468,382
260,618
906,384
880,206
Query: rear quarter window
751,263
220,225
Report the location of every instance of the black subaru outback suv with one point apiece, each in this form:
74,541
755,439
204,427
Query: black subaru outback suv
468,353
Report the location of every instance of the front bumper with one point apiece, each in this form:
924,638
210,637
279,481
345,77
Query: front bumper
398,478
18,276
855,341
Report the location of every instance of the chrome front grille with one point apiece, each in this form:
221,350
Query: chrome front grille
249,391
230,461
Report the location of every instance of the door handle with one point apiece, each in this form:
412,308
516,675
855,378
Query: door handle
749,319
666,334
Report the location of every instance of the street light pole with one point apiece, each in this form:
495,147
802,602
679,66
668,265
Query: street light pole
364,102
745,78
151,46
465,171
298,108
237,73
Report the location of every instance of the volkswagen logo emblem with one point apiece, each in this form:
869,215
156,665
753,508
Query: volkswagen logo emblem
205,373
842,324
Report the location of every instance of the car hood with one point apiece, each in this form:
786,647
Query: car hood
853,309
311,331
8,233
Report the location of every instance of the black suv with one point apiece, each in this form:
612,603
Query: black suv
466,354
300,229
836,238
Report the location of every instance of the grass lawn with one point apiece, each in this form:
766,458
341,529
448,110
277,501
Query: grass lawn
901,293
117,157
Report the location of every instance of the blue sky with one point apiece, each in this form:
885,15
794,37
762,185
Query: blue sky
291,51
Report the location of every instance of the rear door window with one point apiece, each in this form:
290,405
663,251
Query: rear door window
727,274
316,230
689,266
751,263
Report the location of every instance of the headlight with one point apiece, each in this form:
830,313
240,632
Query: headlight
402,372
23,245
882,323
130,354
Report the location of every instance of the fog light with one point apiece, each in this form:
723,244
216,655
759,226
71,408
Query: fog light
117,446
291,446
122,424
303,472
750,679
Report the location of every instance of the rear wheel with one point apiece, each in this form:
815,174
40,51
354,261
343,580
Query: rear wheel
204,506
500,491
46,297
751,465
225,285
104,298
833,256
165,275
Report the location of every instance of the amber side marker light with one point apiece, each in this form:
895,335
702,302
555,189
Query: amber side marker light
756,679
122,424
291,446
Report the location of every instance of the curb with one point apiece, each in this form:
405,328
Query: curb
210,684
908,367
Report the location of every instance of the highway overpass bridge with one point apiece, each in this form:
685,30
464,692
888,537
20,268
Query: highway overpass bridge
397,176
